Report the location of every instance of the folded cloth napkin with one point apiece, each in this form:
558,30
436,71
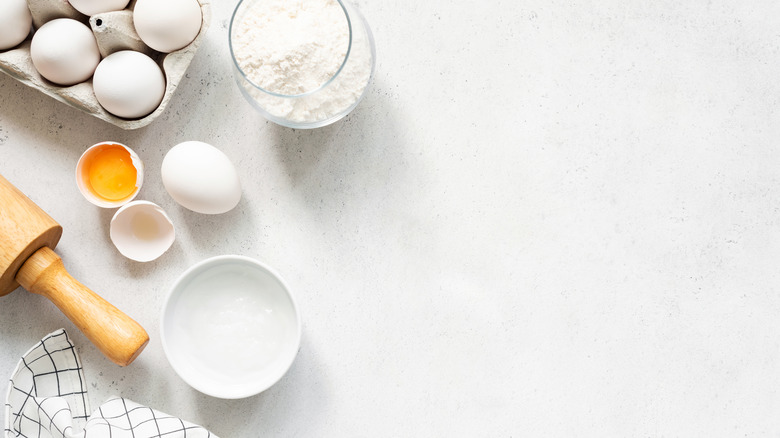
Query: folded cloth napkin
47,398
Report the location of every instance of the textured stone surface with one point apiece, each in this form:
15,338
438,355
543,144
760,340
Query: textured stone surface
547,218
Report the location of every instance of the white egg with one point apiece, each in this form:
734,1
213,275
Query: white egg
92,7
129,84
64,51
167,25
141,231
201,178
15,23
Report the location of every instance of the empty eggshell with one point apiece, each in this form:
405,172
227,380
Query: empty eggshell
92,7
64,51
129,84
15,23
167,25
141,231
201,178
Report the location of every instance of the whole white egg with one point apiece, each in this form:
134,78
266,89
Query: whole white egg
201,178
15,23
64,51
129,84
167,25
92,7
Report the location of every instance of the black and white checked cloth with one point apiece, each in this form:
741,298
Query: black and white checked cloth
47,398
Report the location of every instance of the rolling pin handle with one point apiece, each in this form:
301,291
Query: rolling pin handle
115,334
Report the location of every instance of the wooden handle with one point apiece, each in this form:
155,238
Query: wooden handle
118,336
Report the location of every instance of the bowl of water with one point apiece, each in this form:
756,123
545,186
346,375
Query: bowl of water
230,327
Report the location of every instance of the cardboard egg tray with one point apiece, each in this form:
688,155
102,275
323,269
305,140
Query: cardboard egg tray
114,31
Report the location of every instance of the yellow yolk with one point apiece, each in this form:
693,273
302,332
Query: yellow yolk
112,174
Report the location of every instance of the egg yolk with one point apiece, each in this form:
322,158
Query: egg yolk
112,174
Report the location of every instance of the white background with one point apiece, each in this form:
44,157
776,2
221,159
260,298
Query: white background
547,218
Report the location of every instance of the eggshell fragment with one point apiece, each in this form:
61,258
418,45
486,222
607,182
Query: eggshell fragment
15,23
64,51
201,178
167,25
141,231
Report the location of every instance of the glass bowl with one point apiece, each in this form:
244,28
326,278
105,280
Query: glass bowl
322,105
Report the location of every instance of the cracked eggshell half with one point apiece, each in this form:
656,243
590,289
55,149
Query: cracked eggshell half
201,178
109,174
141,231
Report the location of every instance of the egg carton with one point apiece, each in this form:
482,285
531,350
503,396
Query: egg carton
114,31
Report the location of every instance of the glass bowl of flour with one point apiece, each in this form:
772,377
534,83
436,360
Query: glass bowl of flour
303,64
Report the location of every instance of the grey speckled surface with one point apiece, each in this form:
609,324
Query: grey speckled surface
547,218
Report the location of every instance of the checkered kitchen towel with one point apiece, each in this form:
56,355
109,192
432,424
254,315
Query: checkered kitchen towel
47,398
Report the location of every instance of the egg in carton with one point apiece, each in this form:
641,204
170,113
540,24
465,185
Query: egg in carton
114,31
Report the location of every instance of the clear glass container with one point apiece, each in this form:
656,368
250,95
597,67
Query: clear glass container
322,105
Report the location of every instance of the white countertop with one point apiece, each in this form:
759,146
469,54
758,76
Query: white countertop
547,218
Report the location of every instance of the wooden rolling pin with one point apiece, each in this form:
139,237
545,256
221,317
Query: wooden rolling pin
27,238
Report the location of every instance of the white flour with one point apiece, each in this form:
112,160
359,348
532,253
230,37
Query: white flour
292,47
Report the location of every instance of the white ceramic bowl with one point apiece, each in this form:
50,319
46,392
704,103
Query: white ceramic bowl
230,327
